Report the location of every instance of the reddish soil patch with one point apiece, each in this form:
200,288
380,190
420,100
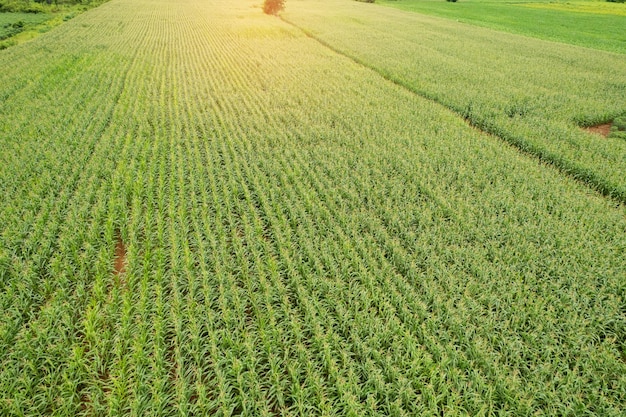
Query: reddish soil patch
120,257
603,129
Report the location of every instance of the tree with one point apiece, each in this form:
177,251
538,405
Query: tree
273,6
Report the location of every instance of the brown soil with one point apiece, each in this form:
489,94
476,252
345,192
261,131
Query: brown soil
120,257
603,129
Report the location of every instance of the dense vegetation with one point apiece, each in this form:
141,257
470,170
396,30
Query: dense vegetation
298,235
533,94
23,20
44,6
13,23
618,128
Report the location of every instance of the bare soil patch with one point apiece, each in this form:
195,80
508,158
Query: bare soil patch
120,257
603,129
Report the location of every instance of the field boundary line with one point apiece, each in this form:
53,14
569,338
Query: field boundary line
580,174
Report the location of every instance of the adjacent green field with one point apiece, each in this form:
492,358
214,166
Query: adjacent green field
13,23
531,93
301,236
594,24
24,20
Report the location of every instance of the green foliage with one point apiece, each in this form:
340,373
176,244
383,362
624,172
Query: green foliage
11,29
301,236
12,24
46,6
618,129
273,6
532,94
24,6
30,22
616,1
620,123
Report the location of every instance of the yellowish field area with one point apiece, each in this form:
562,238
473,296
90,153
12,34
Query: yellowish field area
593,7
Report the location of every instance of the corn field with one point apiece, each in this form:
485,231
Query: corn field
532,94
207,211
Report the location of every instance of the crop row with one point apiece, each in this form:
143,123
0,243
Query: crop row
302,237
533,94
